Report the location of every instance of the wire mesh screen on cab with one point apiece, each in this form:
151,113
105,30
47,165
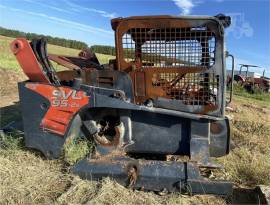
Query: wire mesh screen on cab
169,47
168,55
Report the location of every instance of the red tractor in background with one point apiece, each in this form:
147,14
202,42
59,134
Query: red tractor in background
249,80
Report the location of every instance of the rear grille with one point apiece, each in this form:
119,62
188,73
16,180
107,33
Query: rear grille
169,47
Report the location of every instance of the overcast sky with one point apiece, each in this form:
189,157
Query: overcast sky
248,38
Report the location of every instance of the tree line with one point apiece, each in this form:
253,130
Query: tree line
109,50
52,40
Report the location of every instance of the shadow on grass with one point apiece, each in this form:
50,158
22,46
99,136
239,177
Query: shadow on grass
10,117
248,196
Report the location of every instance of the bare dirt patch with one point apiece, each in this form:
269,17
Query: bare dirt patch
8,86
9,107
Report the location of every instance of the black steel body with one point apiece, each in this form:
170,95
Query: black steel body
151,132
167,131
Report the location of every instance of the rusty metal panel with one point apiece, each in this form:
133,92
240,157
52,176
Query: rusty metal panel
140,90
190,88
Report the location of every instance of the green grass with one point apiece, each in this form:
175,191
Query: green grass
258,95
77,149
11,141
8,60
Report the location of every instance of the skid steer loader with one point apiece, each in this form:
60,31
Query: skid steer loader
162,98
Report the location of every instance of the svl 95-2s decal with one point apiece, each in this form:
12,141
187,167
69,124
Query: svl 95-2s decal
64,104
60,98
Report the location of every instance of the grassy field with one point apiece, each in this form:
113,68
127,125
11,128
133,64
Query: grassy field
27,178
8,61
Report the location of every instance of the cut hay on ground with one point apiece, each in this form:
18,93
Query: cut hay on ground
109,192
28,179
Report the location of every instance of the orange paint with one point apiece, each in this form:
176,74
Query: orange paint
64,104
27,60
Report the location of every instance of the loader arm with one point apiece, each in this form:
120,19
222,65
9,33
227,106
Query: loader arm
85,59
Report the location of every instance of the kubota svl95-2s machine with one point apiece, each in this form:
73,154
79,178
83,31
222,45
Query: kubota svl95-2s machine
163,95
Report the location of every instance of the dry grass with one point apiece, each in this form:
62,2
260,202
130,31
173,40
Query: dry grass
252,135
249,163
247,167
109,192
79,192
25,177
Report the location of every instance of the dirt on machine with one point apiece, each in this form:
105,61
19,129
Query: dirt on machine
163,95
